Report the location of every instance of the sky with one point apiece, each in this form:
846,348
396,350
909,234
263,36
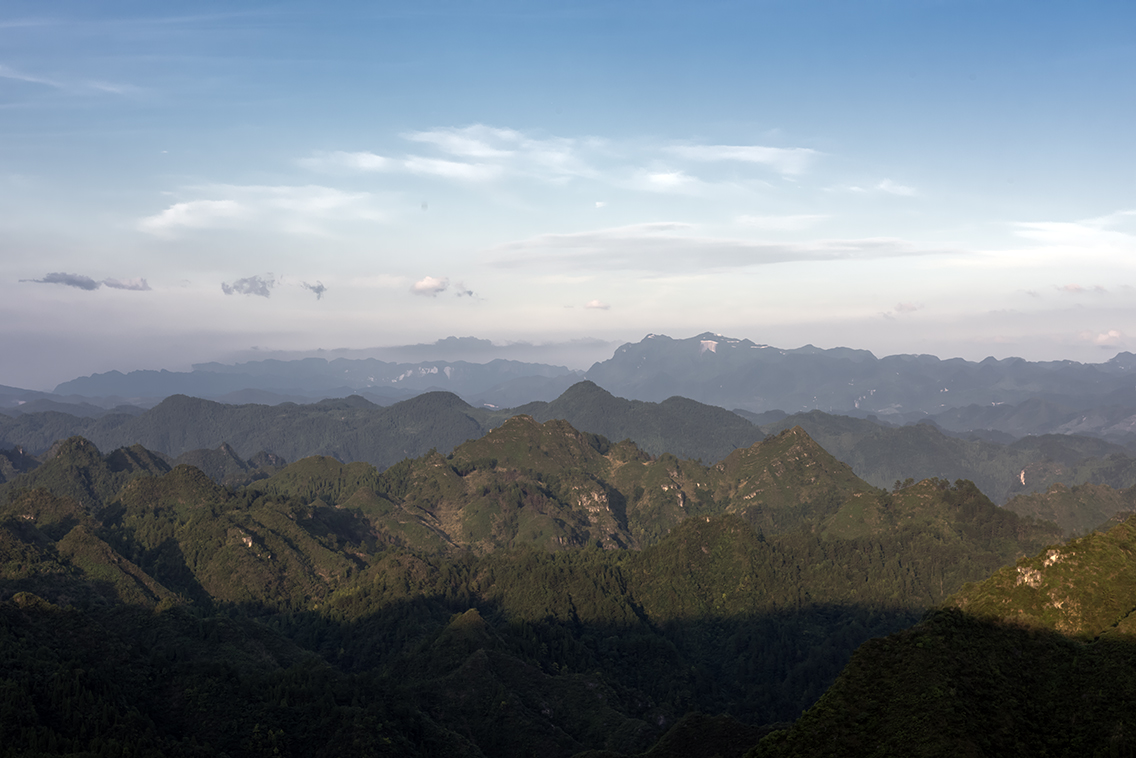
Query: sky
189,182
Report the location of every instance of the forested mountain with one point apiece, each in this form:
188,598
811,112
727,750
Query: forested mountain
1079,509
1036,660
882,454
540,589
354,429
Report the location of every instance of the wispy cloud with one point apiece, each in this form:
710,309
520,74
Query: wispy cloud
193,214
79,86
137,285
340,160
481,153
468,172
68,280
672,246
87,283
894,188
7,72
1077,289
597,305
260,286
296,209
886,186
476,153
790,161
1087,238
906,308
318,289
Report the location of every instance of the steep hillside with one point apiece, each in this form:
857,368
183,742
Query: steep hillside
1037,659
482,603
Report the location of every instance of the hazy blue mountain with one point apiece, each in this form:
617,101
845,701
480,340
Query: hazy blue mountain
882,454
738,373
311,377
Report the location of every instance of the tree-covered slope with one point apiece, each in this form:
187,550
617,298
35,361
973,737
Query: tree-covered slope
1035,660
479,603
882,455
1078,509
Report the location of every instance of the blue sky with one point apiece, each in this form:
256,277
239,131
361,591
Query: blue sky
186,182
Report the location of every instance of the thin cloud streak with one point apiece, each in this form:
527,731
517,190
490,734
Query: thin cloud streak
480,153
791,161
668,247
298,209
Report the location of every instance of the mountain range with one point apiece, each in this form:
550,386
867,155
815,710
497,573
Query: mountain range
223,438
585,575
541,588
1010,397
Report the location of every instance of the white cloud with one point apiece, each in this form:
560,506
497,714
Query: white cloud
597,305
782,223
468,172
790,161
1111,338
665,181
430,286
668,180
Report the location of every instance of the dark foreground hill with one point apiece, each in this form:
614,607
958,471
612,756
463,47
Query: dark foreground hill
461,604
1036,660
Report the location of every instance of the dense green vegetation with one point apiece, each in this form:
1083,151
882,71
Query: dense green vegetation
1078,509
881,455
540,589
1036,660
